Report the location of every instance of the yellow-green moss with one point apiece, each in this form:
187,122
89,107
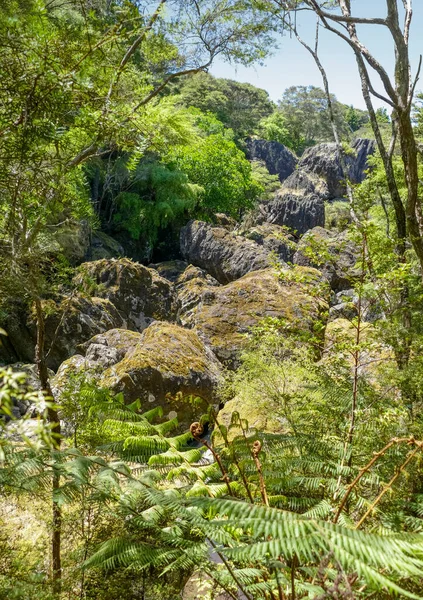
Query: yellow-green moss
166,348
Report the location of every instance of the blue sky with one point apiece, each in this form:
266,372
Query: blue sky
291,64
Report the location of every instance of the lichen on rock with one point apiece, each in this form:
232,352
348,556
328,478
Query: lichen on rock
168,364
139,294
227,313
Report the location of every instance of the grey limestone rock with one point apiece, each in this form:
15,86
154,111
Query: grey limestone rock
224,255
300,202
324,161
277,158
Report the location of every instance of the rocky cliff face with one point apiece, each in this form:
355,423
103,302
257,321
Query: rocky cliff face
300,202
324,160
225,315
277,158
223,254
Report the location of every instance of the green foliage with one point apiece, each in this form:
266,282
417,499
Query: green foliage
355,118
305,114
224,173
275,128
157,196
305,109
239,106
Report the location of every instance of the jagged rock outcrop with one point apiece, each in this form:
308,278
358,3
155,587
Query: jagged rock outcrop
298,213
277,158
69,321
139,294
167,360
114,293
324,161
225,314
224,255
333,253
299,204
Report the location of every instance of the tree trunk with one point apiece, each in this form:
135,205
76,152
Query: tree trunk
54,421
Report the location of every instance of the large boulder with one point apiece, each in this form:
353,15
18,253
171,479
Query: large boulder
224,315
224,255
298,213
73,321
277,158
139,294
333,253
299,204
324,161
168,364
190,286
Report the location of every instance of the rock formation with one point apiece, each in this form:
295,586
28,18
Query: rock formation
224,315
324,161
224,255
299,204
139,294
168,361
277,158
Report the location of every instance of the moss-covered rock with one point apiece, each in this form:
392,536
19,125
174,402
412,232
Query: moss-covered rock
139,294
104,246
190,286
168,361
73,240
73,321
226,314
